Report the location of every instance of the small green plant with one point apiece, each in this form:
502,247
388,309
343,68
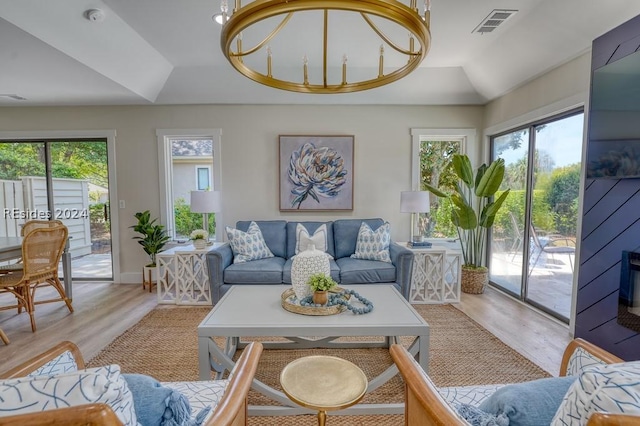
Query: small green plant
153,238
321,282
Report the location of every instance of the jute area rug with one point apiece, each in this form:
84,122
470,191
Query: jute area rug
164,344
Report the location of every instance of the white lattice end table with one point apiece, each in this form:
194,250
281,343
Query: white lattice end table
436,275
183,278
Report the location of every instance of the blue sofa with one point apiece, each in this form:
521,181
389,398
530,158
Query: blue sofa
280,237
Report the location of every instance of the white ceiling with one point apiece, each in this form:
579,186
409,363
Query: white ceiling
168,52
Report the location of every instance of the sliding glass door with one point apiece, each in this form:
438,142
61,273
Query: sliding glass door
65,180
532,247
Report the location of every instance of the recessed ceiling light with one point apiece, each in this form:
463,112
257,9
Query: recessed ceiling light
12,96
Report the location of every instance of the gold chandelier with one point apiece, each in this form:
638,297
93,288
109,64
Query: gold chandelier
379,16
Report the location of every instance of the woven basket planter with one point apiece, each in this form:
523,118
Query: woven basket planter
474,280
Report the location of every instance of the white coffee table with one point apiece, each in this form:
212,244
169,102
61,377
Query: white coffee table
255,310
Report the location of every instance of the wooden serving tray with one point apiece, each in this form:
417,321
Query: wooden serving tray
291,304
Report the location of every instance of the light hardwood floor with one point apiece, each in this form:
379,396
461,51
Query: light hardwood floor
103,311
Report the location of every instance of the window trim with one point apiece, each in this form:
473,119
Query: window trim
164,137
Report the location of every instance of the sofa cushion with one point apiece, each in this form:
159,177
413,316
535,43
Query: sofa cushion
286,271
274,233
263,271
40,393
345,234
612,388
358,271
311,228
373,245
529,403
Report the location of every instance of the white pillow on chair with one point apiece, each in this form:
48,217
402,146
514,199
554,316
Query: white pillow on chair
47,392
612,388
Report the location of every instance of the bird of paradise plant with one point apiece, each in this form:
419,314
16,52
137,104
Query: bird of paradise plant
474,211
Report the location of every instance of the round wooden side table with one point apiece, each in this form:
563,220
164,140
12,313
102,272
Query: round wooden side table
323,383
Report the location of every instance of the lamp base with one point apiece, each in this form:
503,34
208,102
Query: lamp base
417,238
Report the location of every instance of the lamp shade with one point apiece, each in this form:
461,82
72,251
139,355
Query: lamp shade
205,201
414,202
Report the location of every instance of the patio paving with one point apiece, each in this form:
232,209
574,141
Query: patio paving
550,282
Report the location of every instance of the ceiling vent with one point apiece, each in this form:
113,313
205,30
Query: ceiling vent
495,18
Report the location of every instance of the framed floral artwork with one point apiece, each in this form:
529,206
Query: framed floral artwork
316,173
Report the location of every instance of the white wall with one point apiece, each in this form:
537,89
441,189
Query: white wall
561,88
250,154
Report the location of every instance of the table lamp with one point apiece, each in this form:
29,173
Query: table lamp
414,202
205,202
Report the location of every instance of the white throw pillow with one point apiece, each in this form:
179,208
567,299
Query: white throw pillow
373,245
248,245
613,388
318,239
63,363
40,393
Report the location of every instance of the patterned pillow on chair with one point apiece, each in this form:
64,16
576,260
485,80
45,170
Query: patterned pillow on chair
40,393
373,245
612,388
63,363
248,245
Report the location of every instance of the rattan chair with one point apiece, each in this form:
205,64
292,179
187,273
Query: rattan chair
425,404
41,252
4,337
26,228
230,410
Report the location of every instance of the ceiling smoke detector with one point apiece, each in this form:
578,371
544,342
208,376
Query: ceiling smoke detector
493,20
94,15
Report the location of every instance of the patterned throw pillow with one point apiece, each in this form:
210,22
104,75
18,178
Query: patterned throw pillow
40,393
318,239
613,388
373,245
580,360
63,363
248,245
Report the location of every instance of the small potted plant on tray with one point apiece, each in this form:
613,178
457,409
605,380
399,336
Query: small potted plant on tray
320,284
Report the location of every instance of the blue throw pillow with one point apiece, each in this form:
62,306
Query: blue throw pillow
157,405
531,403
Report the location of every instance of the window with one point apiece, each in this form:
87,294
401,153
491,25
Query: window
432,152
183,155
203,180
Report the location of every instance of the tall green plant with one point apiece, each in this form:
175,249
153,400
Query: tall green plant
153,238
473,211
